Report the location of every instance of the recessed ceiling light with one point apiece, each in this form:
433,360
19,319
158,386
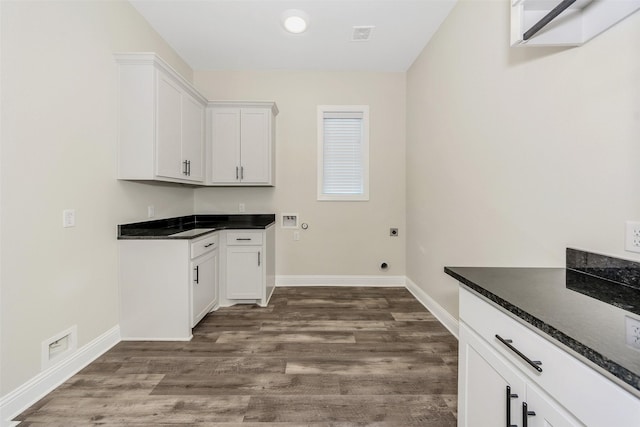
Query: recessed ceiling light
295,21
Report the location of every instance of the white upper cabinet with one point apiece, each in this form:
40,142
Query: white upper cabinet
241,143
193,117
161,122
575,22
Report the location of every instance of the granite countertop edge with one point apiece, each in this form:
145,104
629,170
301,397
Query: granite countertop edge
591,355
165,229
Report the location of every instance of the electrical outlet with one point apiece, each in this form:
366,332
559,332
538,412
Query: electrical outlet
633,332
68,218
632,237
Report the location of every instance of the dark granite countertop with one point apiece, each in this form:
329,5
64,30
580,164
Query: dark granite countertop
193,226
583,312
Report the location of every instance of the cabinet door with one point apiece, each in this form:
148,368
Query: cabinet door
244,272
168,129
193,137
225,145
490,392
547,412
255,157
204,285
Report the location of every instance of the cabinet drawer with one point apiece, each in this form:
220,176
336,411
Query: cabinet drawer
236,238
204,245
576,386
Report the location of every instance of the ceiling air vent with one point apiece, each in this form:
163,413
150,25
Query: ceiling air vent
362,33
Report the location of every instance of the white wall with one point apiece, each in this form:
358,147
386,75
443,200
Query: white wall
514,154
58,151
344,238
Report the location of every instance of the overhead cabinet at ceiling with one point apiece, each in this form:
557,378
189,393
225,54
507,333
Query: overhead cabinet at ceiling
161,122
578,22
241,143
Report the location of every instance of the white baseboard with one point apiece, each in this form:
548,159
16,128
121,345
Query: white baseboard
449,322
351,280
12,404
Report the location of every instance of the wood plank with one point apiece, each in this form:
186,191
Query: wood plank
248,385
436,382
394,410
154,410
366,365
358,304
298,350
178,365
308,337
324,325
403,336
414,316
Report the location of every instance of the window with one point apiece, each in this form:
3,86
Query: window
343,152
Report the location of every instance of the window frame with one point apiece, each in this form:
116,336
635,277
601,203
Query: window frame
364,110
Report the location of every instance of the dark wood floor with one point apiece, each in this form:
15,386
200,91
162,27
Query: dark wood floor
314,357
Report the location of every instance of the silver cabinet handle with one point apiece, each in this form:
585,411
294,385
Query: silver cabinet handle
197,270
210,244
241,172
243,238
237,173
188,167
535,364
258,258
184,169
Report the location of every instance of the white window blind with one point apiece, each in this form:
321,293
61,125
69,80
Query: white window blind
343,171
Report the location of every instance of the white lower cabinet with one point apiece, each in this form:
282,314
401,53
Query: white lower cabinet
249,266
498,387
166,286
492,393
543,411
244,272
204,285
485,382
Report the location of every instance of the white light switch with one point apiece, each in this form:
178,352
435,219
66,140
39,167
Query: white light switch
69,218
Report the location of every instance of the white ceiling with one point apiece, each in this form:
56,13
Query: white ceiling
248,34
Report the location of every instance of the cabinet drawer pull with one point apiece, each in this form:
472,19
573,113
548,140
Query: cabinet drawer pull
208,245
535,364
241,172
197,279
243,238
258,258
526,414
509,397
184,169
237,172
188,167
